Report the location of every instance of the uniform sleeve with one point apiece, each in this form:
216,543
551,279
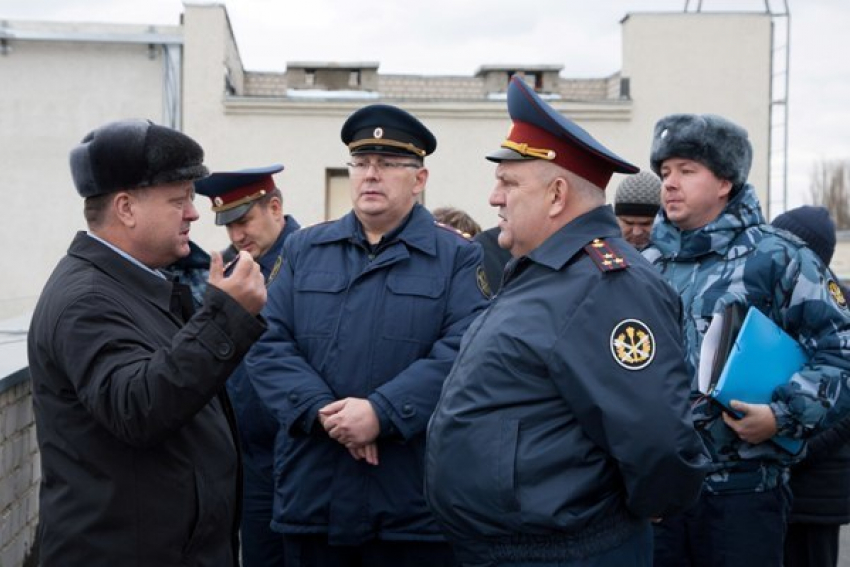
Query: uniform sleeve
139,391
815,311
618,361
409,399
285,382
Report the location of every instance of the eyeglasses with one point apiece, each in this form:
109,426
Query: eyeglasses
361,167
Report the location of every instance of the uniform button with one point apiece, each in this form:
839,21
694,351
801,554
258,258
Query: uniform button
224,349
293,398
407,410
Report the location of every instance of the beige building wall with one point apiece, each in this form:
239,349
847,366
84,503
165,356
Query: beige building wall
303,134
56,91
674,62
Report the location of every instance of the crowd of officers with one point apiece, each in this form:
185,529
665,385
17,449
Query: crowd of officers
386,389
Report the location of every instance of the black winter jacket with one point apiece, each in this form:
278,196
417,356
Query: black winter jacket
821,482
139,460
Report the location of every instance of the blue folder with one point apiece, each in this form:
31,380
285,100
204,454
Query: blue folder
762,358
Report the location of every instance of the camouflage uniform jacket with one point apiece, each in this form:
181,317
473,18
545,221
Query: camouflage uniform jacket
739,258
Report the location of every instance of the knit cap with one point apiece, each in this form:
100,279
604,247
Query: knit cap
813,225
638,195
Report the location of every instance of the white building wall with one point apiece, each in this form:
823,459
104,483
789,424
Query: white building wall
53,92
699,63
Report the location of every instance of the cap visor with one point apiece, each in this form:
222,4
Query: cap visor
226,217
506,154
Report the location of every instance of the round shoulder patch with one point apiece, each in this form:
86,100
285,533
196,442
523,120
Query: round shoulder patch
836,293
632,344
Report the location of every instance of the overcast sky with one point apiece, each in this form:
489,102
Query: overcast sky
455,37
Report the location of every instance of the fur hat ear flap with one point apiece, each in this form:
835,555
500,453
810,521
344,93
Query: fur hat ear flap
130,154
717,143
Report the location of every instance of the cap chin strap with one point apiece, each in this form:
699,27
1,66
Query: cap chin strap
385,142
242,201
524,150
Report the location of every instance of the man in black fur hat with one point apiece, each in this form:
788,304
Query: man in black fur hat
139,462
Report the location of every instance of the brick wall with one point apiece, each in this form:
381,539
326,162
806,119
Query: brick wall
20,472
438,88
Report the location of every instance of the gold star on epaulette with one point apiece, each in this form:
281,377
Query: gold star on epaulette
605,257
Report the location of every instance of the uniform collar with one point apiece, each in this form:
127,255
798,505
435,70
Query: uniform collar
417,231
560,247
742,212
126,255
267,260
136,280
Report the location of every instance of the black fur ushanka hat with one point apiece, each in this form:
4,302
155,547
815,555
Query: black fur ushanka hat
131,154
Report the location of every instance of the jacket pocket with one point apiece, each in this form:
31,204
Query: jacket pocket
506,465
413,307
472,479
319,296
197,534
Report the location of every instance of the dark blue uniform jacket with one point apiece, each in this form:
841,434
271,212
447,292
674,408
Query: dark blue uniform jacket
257,427
347,320
564,424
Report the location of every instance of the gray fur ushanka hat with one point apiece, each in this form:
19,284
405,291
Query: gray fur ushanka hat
717,143
131,154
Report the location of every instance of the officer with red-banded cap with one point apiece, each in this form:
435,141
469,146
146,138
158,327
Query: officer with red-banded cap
366,318
564,424
249,204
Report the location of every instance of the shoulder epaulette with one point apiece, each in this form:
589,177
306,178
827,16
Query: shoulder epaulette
606,258
457,231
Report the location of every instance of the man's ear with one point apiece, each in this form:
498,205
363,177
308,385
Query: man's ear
421,181
725,188
124,206
276,207
557,194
